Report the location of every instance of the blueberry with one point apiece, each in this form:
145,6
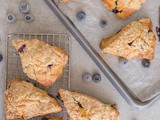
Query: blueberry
103,24
146,63
86,77
11,18
1,57
50,66
81,16
24,7
96,78
122,62
20,50
28,18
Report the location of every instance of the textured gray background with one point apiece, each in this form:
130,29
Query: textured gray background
47,22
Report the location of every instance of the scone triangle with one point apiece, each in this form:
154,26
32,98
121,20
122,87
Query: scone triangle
23,100
136,40
83,107
123,8
41,61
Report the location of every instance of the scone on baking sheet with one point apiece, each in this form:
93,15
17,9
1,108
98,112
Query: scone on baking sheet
123,8
41,61
23,100
136,40
83,107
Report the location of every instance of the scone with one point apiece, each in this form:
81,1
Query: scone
23,100
83,107
135,40
123,8
41,61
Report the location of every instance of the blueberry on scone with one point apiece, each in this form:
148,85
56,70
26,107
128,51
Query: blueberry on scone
41,61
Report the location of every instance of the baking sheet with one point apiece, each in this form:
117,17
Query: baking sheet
144,82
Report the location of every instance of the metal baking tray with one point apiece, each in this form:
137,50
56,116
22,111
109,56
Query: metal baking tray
14,67
121,87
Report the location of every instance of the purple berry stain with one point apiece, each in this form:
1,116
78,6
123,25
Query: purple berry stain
21,48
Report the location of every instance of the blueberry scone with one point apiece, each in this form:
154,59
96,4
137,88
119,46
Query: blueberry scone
41,61
23,100
136,40
123,8
83,107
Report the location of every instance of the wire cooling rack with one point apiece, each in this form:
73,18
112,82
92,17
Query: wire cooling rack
14,67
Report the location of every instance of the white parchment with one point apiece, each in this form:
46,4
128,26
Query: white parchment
144,82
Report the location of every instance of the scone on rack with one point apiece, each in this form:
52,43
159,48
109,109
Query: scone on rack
123,8
23,100
136,40
41,61
83,107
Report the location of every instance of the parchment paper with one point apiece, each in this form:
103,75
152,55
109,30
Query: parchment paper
144,82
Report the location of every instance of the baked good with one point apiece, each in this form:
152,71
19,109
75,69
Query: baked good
56,118
123,8
23,100
41,61
84,107
64,1
136,40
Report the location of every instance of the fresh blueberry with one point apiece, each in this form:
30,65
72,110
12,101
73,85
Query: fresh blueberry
146,63
1,57
122,62
103,24
24,7
86,77
28,18
81,16
11,18
96,78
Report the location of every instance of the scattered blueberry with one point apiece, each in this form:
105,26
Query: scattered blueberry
81,16
11,18
20,50
96,78
146,63
24,7
122,62
103,24
28,18
86,77
1,57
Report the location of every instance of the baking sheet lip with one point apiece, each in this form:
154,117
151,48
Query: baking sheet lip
130,99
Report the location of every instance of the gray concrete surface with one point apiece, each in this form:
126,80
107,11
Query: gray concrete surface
46,22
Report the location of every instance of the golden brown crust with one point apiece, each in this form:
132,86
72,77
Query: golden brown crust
23,100
136,40
41,61
123,8
84,107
